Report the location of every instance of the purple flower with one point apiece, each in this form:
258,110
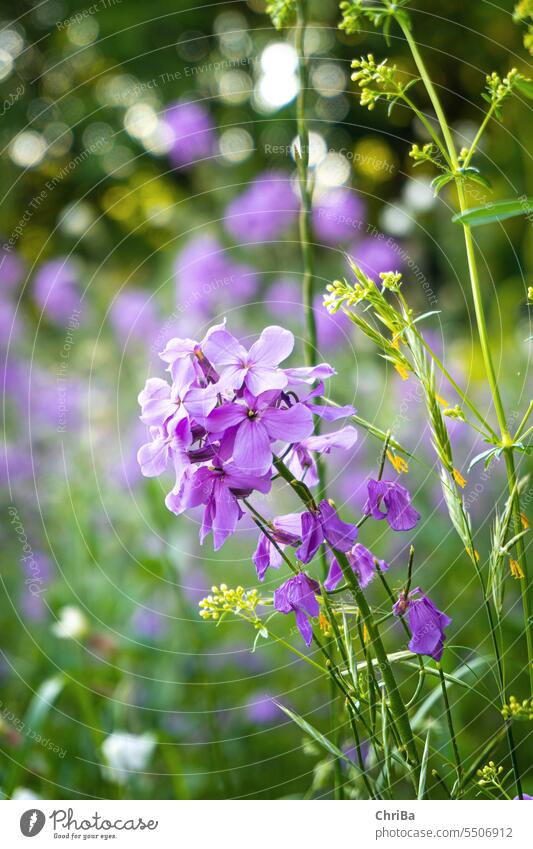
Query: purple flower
286,530
206,276
55,289
376,254
257,422
396,500
362,563
133,316
217,487
525,798
11,271
324,525
298,595
257,369
262,709
193,136
303,465
338,216
426,622
264,210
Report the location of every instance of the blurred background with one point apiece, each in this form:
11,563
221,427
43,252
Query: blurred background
148,187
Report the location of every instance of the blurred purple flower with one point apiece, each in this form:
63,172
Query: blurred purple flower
11,271
338,216
396,500
133,316
10,325
264,211
261,709
193,135
148,623
375,254
56,289
206,277
362,563
426,622
298,595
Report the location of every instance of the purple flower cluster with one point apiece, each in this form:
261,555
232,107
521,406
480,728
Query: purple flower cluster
217,422
220,422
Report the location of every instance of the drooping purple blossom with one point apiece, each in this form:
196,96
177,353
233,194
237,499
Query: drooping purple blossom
301,461
391,501
285,530
192,129
217,487
426,623
298,595
362,562
323,525
338,216
264,210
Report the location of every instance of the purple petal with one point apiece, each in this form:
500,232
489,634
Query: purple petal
339,534
222,349
153,457
312,537
273,346
307,374
304,627
252,449
290,425
332,414
227,514
344,438
226,416
264,378
334,576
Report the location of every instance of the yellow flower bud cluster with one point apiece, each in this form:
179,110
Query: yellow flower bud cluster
225,600
518,710
489,774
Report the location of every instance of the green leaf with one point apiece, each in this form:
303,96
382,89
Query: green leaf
439,182
525,87
491,212
423,770
316,735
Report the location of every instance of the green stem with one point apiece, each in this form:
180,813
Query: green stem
487,360
302,159
397,705
453,738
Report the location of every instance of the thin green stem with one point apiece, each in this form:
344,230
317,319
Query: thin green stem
506,440
302,160
453,738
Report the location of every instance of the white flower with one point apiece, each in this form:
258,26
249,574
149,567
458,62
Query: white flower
126,753
71,625
23,794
